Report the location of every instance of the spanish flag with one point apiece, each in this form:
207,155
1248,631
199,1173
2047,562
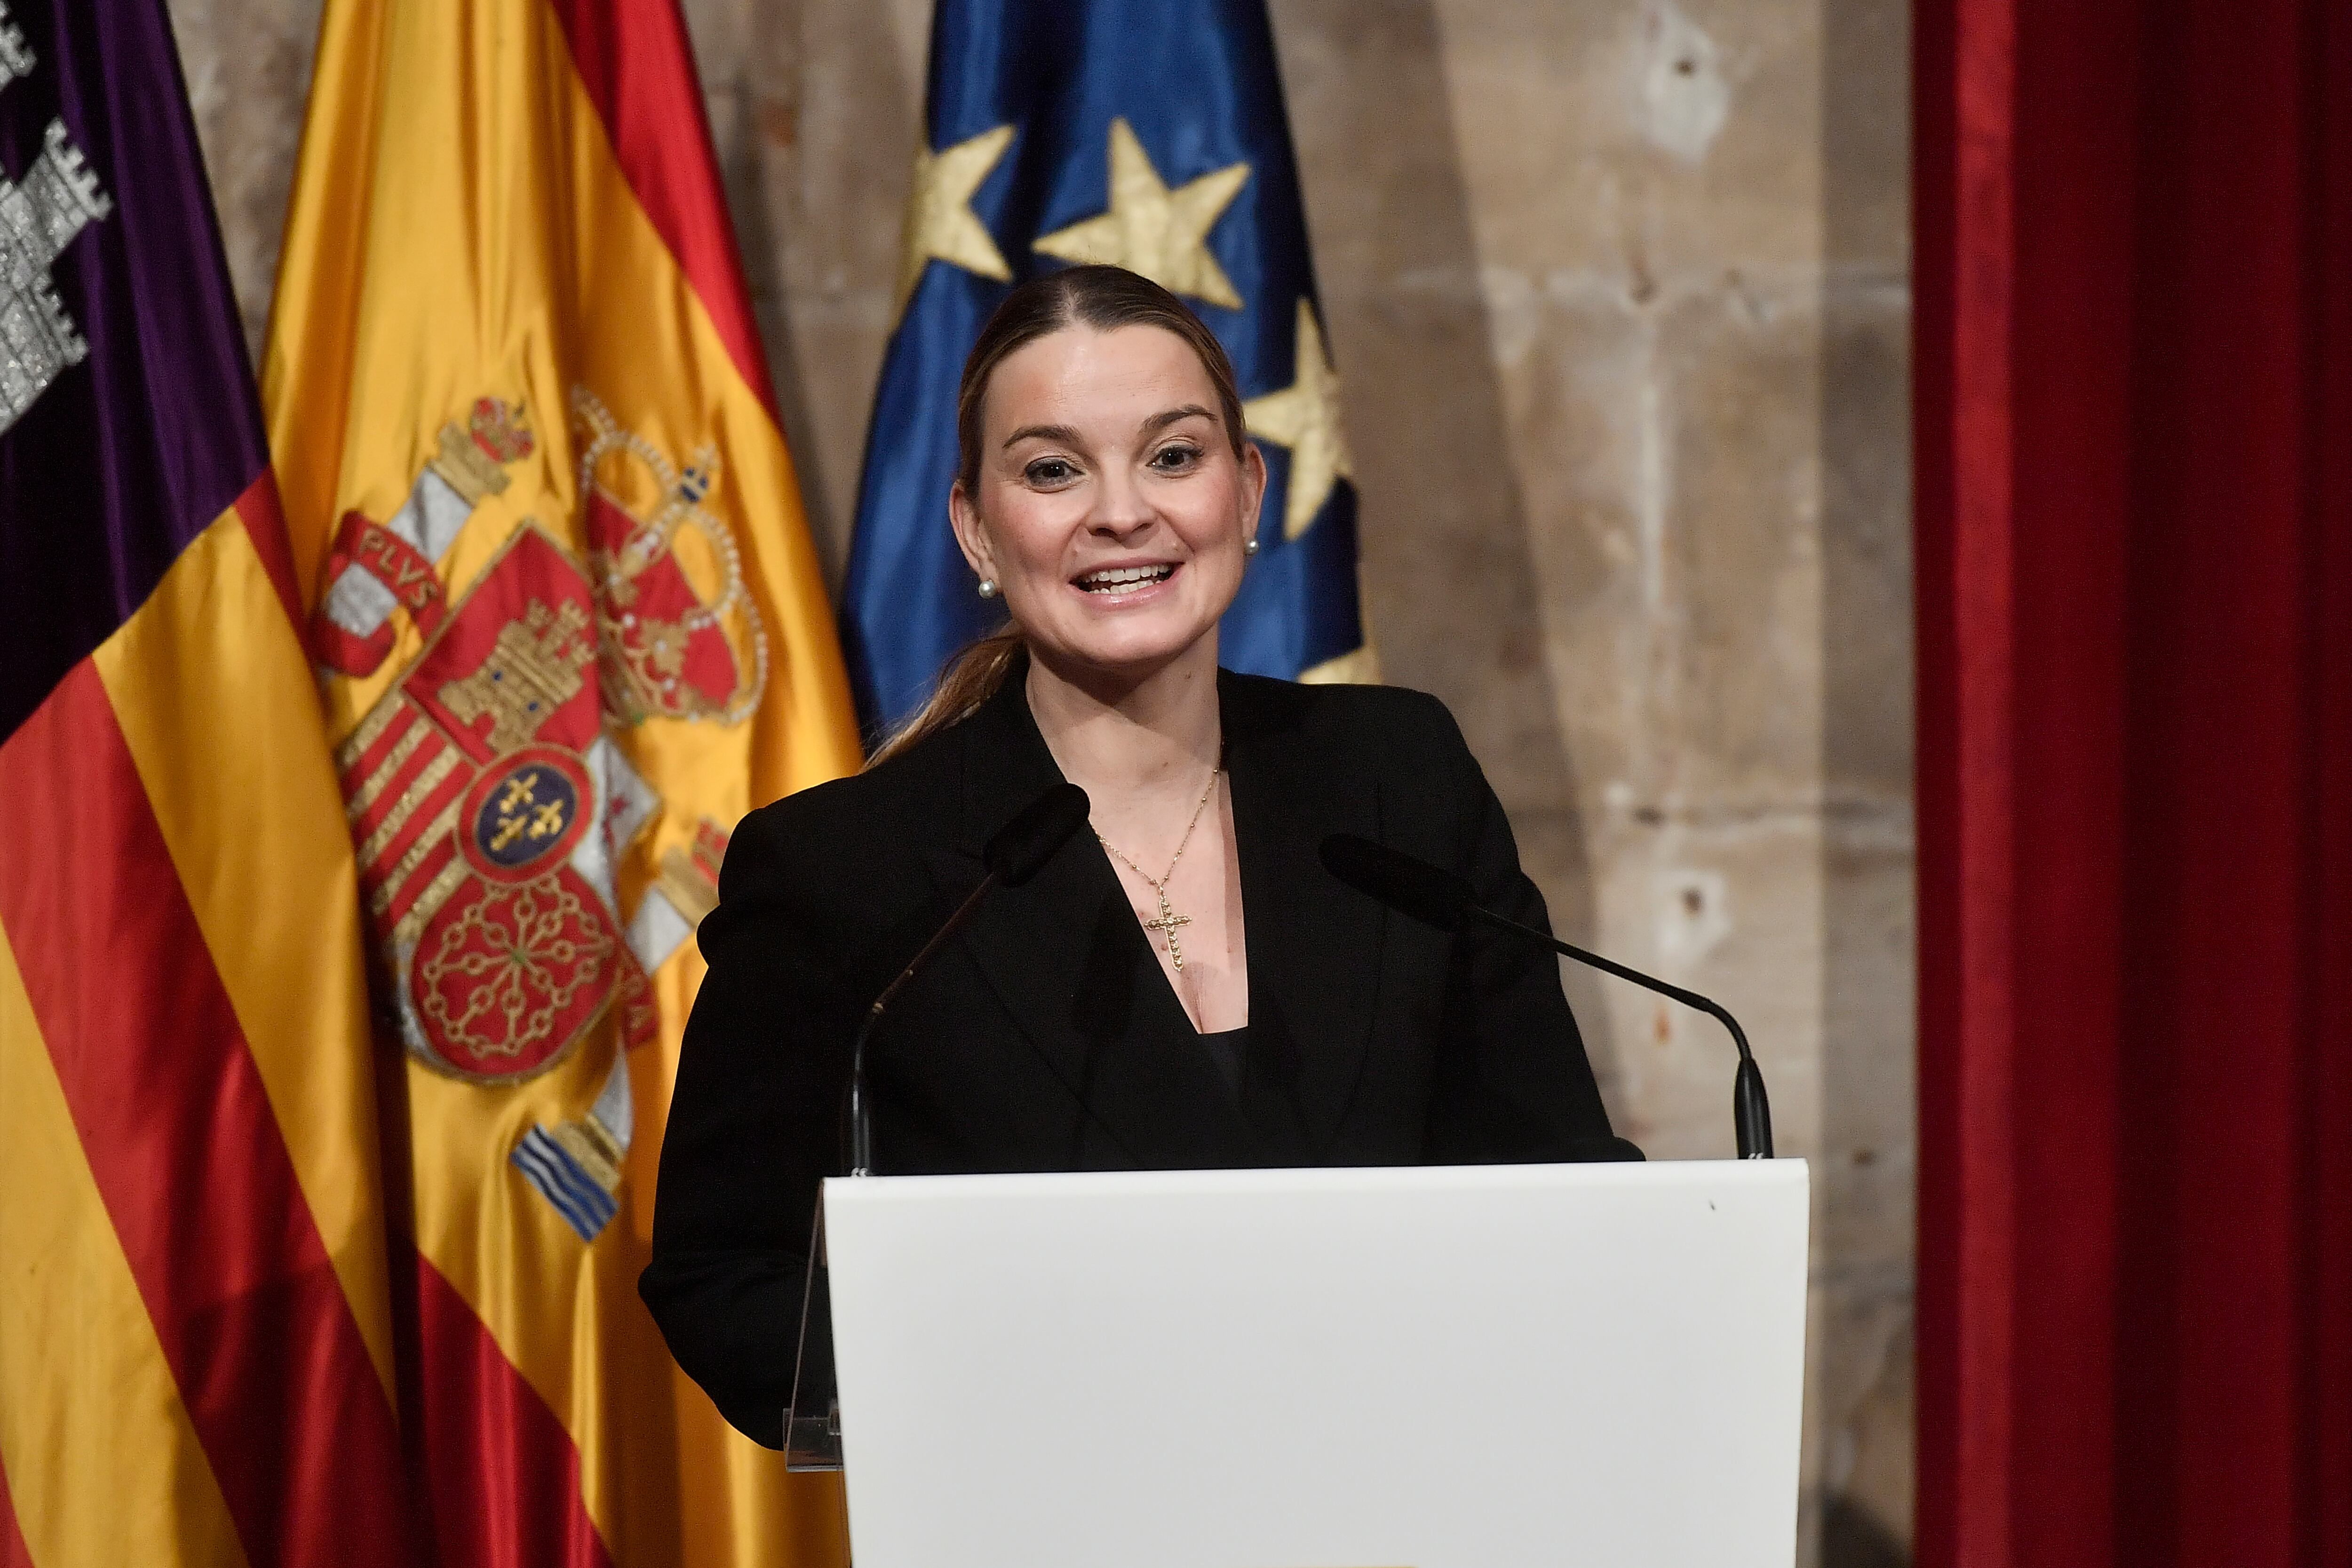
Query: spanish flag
568,628
196,1357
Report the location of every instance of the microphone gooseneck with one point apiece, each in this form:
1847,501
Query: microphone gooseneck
1430,894
1017,851
1445,899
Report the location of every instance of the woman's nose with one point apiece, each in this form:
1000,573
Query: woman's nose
1120,509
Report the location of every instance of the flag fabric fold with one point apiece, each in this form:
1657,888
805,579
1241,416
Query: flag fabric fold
569,627
1152,137
196,1354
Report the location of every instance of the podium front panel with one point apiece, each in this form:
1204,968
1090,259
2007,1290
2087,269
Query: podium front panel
1452,1367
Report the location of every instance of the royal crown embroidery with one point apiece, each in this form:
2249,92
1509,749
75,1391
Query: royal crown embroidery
680,637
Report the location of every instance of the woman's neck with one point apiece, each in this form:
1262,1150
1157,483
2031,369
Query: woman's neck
1127,739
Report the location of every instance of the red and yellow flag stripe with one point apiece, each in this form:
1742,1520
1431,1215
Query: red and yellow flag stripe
196,1349
193,1230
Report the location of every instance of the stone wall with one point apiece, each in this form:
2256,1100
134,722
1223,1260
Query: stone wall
1619,290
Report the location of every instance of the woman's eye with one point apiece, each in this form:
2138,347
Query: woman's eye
1175,459
1048,471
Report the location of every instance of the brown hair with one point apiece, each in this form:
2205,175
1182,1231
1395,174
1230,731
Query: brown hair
1103,298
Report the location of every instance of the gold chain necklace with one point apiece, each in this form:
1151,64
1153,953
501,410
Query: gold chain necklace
1169,919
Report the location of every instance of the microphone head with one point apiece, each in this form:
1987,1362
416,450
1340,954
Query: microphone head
1023,845
1428,893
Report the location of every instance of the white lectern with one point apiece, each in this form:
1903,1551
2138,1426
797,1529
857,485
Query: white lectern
1455,1367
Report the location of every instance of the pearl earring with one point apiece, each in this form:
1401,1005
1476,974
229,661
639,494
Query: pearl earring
988,587
1249,545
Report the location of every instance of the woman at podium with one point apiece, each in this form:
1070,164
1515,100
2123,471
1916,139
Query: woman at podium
1185,985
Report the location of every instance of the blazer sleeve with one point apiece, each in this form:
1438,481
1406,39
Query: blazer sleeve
1512,1081
753,1128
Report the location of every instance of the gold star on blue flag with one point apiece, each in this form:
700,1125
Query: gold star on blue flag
1149,136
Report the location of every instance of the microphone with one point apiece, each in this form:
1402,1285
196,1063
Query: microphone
1017,852
1440,897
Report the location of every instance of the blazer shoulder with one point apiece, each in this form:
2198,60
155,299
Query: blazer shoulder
1393,721
860,821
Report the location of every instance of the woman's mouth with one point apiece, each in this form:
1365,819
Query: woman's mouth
1114,582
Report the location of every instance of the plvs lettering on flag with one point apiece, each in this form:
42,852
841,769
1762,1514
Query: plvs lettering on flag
1148,136
568,628
196,1351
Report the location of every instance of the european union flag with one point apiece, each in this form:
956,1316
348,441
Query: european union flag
1150,134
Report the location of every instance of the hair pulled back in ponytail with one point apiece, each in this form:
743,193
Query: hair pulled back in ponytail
1102,298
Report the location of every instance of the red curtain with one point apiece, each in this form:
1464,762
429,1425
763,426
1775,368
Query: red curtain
2133,406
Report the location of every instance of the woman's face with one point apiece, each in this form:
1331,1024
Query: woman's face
1110,508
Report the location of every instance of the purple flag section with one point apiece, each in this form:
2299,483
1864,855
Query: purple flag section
129,419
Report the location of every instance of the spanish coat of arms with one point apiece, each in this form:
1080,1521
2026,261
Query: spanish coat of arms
487,798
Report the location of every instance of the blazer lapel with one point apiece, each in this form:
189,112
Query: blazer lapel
1065,955
1313,952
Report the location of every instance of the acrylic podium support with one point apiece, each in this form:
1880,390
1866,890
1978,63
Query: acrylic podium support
1451,1367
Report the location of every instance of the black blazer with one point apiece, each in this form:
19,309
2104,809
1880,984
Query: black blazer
1045,1037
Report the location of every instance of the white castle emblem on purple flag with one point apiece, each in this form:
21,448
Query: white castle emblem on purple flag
39,216
15,59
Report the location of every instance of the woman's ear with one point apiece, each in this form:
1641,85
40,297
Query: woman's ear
970,537
1252,486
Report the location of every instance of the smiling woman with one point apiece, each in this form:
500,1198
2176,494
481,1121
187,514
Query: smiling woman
1116,1012
1116,385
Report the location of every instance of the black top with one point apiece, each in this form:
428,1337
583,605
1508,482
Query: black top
1046,1036
1228,1048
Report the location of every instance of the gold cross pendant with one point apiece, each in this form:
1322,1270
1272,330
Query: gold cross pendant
1167,924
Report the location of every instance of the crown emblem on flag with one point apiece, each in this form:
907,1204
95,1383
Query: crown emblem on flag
679,635
500,430
473,460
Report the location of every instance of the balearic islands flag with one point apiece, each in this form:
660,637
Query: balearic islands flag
1148,135
570,627
196,1359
